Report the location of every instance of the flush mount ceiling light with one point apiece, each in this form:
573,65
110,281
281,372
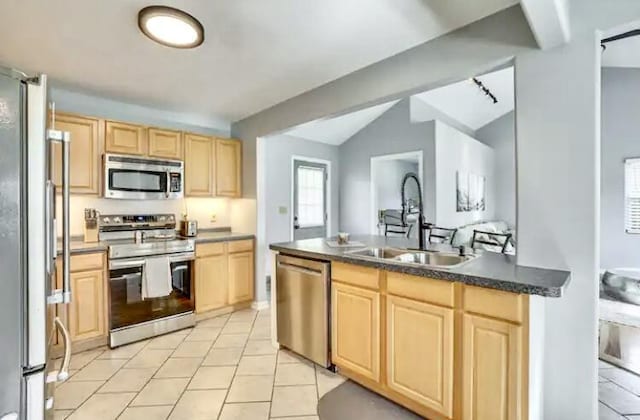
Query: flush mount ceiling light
171,27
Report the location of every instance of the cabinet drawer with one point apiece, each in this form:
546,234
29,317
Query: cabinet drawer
356,275
494,303
240,246
421,288
86,262
210,249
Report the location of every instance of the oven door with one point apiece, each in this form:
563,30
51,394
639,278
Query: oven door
125,286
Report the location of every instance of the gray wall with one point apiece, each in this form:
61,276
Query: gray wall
278,153
558,140
390,133
500,135
89,104
620,140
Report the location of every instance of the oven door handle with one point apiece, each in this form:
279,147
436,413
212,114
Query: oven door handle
185,258
180,268
114,265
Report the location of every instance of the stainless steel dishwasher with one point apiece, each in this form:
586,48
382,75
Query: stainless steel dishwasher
302,301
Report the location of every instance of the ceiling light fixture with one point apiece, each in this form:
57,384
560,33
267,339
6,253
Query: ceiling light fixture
170,27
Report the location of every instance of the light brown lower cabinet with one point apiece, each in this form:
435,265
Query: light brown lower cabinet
86,315
420,352
443,350
240,277
211,283
223,274
355,329
87,308
492,369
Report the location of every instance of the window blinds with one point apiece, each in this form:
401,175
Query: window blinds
632,195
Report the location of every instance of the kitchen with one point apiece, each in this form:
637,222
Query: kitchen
443,332
121,166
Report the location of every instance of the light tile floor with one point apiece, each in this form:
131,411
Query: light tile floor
223,369
619,393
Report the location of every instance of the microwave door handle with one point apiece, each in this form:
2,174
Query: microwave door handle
168,192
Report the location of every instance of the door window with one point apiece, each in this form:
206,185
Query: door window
310,196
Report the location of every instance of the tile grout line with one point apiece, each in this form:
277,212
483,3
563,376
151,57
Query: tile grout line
200,365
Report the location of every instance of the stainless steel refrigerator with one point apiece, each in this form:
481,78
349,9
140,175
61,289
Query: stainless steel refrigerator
28,322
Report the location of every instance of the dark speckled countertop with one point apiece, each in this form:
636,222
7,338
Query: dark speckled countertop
78,246
489,269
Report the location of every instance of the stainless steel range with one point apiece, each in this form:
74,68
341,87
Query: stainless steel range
146,255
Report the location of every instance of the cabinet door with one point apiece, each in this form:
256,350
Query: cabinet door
355,329
211,283
420,352
228,168
86,310
240,277
492,369
85,153
165,143
125,138
199,161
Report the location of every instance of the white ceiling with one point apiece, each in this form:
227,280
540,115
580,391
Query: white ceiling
467,104
256,54
624,52
337,130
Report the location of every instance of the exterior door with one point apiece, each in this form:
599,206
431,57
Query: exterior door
309,200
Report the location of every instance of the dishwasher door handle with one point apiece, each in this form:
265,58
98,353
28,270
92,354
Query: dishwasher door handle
299,269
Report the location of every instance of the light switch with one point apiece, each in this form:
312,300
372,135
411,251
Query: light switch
282,210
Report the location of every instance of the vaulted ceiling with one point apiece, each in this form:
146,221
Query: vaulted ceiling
256,53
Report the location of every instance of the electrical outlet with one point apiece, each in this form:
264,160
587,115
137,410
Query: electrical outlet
214,217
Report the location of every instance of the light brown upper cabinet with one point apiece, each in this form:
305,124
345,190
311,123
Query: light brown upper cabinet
199,161
129,139
165,143
85,153
229,168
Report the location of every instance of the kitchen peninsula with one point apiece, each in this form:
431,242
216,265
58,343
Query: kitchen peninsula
447,343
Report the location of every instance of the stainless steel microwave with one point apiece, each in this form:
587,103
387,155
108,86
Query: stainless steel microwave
138,178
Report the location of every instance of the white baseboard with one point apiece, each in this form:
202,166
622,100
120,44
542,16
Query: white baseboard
260,305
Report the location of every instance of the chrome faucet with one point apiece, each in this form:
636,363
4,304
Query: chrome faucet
422,226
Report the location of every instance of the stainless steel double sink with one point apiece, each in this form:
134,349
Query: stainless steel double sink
434,259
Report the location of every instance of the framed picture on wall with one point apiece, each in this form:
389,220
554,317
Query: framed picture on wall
462,191
470,192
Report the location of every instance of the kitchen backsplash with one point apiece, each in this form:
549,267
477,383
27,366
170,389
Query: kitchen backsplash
237,213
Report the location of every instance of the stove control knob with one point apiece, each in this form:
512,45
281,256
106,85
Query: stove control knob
116,219
171,218
106,220
162,218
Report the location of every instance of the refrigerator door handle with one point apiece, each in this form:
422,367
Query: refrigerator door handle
64,138
51,227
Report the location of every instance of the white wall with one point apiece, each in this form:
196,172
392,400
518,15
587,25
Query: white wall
279,151
620,140
500,135
389,175
558,155
458,152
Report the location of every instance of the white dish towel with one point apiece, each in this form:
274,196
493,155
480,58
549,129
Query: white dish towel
156,278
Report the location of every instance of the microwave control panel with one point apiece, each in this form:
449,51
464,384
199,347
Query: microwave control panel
175,182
